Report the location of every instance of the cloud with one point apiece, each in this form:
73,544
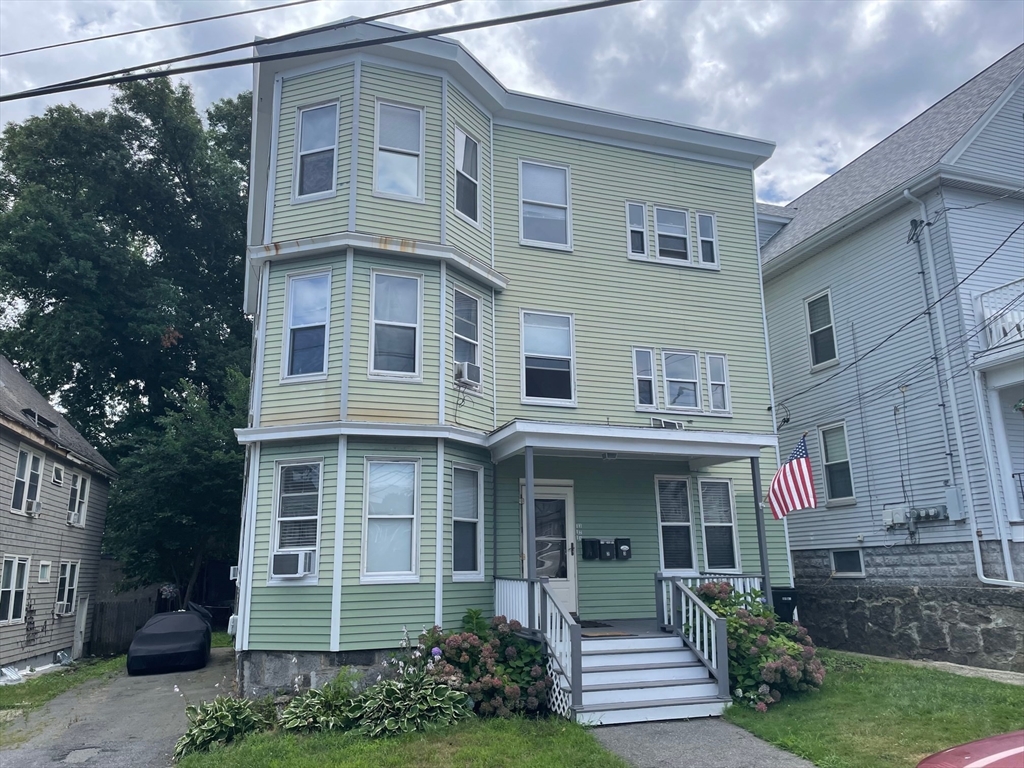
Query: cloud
824,80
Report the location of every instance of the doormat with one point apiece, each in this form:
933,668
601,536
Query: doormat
593,624
605,633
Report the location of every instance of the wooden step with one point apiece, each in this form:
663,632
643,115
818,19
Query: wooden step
635,673
653,710
637,642
641,693
638,656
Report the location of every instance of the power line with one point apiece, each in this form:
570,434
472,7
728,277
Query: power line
354,45
156,28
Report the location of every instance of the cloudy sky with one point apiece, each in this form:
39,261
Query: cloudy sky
824,80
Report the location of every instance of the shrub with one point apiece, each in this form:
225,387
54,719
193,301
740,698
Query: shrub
221,721
322,709
407,704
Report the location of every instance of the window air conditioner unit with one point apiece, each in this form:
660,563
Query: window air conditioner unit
293,565
35,508
234,573
666,423
467,374
62,609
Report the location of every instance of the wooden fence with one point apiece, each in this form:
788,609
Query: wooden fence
114,624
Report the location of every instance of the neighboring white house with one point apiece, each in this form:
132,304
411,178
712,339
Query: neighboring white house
895,303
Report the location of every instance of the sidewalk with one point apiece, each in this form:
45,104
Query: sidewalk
704,743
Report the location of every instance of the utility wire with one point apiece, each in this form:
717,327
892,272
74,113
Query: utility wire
354,45
158,27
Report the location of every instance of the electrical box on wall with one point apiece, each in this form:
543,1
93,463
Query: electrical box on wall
954,504
934,512
895,514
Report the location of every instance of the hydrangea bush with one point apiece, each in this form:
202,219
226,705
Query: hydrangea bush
767,657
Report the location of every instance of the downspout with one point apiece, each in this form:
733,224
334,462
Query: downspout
955,415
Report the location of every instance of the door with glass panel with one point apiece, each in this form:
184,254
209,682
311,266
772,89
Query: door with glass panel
556,541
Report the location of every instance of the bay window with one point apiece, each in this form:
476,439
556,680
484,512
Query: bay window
467,523
316,159
467,176
309,298
390,512
396,325
398,169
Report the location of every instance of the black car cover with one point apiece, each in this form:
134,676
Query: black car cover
179,640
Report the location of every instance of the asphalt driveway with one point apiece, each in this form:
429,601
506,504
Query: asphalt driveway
127,722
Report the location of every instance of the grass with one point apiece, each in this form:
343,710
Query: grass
492,743
877,714
222,640
37,691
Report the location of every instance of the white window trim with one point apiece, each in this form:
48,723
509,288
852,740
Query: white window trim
838,501
23,510
81,500
523,399
286,344
836,574
630,229
392,577
688,262
297,153
653,407
704,525
72,587
24,603
39,573
693,538
477,575
727,411
421,155
458,287
832,324
310,578
699,261
568,206
53,474
417,375
665,380
479,164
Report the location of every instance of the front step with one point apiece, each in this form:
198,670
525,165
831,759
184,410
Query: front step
640,673
643,692
663,709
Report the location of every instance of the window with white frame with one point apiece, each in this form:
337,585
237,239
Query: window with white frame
67,588
820,328
391,508
682,380
467,175
297,518
547,357
719,522
309,299
57,476
636,229
718,383
13,589
43,577
672,234
847,563
27,475
707,237
78,499
466,329
545,209
467,523
643,378
675,523
836,459
396,325
316,161
399,164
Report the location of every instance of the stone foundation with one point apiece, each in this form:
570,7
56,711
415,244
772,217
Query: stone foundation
263,673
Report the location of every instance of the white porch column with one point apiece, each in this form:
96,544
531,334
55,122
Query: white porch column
531,534
762,544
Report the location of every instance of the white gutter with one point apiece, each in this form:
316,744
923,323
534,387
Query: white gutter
957,429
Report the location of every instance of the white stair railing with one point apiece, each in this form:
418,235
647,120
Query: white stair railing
512,600
564,639
744,583
681,612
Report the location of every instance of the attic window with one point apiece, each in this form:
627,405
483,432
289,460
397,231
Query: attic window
39,421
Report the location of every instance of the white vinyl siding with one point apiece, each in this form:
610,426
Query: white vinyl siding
548,372
545,205
675,524
718,383
13,589
682,380
636,230
391,520
67,588
719,520
316,161
398,152
27,479
672,234
467,176
467,523
306,335
78,499
298,506
836,459
396,325
644,390
821,330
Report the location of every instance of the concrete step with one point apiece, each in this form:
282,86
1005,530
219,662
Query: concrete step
645,692
639,673
658,709
646,642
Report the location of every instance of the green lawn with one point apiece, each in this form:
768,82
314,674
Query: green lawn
877,714
39,690
222,640
517,743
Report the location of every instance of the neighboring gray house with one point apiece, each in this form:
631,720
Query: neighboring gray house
53,492
898,347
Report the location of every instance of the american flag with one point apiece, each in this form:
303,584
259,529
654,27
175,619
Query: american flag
793,487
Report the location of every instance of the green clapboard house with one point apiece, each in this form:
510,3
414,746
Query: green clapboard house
509,355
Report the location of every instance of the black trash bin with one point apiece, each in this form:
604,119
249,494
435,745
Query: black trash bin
785,599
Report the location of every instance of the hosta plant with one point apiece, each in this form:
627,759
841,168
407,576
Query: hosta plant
408,703
322,709
221,721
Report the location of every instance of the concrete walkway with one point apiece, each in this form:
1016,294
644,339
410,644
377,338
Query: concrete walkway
704,743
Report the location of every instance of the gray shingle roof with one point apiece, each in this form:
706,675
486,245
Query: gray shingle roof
767,209
17,396
911,150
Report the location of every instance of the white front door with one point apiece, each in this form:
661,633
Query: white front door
556,541
81,613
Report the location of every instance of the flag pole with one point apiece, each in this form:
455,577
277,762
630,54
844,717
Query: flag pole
762,544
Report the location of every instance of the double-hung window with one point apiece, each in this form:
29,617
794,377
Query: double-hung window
707,236
467,523
718,383
67,587
316,161
396,325
636,230
719,525
391,511
834,447
467,176
643,378
13,587
309,298
398,170
682,380
821,330
467,334
548,358
545,210
675,524
78,499
297,518
672,234
27,477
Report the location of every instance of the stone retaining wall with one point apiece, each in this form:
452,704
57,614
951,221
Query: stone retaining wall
263,673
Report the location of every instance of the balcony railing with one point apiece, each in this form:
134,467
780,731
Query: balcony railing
1001,310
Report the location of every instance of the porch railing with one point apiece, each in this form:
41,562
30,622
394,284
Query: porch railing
564,639
681,612
1002,312
512,600
743,583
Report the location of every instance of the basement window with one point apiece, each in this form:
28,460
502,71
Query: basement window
847,563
